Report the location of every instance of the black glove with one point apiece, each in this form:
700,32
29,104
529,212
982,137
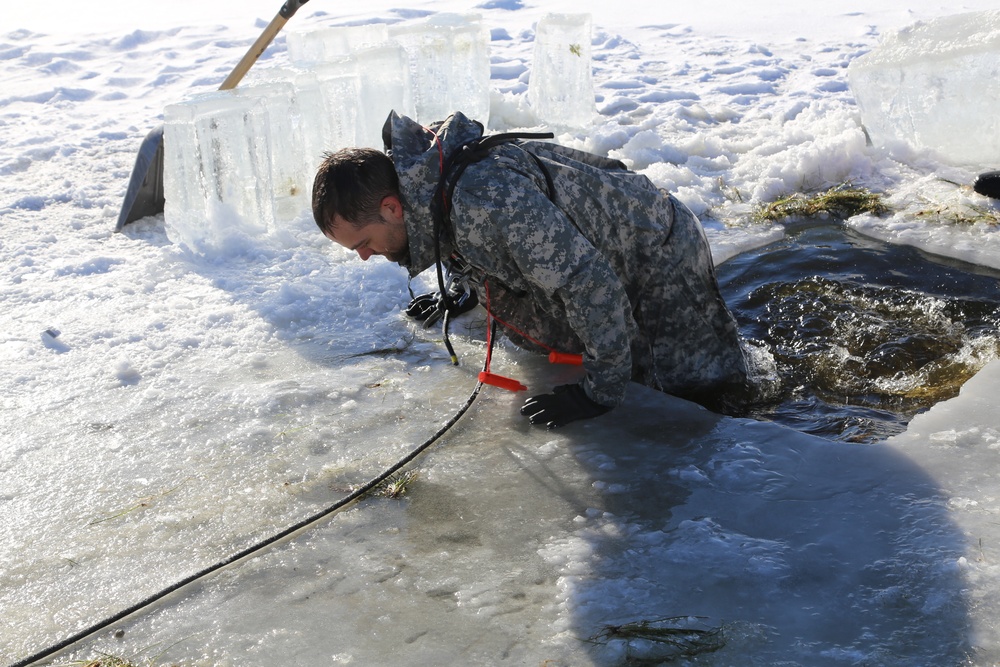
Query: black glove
565,404
429,308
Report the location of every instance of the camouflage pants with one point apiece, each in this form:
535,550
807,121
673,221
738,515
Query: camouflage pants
688,343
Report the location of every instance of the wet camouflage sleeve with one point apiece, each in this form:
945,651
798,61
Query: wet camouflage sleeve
532,245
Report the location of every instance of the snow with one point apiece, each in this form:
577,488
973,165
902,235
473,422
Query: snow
163,409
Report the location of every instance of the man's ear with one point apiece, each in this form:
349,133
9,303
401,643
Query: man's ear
391,207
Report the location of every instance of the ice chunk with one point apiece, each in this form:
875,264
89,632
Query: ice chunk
337,54
340,117
425,70
216,169
561,88
319,45
290,173
316,127
385,87
330,97
449,66
935,85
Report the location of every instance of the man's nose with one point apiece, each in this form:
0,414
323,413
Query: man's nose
365,253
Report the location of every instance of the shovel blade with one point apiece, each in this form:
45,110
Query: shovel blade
144,195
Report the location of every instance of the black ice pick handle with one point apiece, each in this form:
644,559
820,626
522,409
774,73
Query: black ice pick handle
290,7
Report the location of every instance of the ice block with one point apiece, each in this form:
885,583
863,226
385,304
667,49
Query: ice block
561,87
935,85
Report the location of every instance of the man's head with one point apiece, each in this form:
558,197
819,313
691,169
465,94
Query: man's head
356,203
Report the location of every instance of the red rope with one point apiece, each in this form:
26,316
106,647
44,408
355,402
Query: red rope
506,325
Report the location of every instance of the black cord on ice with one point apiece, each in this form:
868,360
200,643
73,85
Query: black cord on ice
254,549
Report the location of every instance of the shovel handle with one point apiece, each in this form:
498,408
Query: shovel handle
258,47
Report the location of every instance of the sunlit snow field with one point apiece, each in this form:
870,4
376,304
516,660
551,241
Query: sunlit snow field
163,409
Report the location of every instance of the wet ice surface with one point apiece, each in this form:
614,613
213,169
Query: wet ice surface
515,544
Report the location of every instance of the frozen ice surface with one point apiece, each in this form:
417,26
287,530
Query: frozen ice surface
958,441
217,170
449,66
191,405
519,543
561,88
935,85
318,45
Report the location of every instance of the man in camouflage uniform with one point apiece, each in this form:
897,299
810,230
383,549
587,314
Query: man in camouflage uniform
574,251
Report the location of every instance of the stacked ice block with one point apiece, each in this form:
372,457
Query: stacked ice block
561,88
284,129
321,44
217,170
359,75
426,70
449,66
237,160
935,85
384,87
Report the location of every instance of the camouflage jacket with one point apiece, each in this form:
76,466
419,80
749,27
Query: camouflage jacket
564,271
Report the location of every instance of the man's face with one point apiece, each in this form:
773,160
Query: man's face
387,237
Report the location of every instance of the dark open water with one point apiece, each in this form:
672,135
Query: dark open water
860,335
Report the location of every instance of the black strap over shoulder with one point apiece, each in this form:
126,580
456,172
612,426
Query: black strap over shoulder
469,153
455,165
452,169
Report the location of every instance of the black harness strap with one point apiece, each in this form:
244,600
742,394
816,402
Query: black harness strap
451,171
455,165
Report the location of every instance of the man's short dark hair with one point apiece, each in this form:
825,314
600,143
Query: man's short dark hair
352,183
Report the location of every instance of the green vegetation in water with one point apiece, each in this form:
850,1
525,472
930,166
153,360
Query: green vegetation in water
661,640
395,486
960,214
110,660
141,503
843,201
959,208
